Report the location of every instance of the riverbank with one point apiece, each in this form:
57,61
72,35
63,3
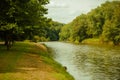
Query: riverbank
30,61
96,41
88,62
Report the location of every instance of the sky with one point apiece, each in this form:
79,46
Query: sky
65,11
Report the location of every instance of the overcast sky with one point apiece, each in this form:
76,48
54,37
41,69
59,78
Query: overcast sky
66,10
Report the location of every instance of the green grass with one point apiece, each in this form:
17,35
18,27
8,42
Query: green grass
28,55
91,41
96,41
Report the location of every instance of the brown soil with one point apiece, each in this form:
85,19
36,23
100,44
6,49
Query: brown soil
33,68
28,67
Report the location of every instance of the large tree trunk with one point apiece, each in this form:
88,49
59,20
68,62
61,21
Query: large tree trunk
7,40
8,37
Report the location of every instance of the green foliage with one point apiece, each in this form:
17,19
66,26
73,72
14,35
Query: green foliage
36,38
65,32
8,26
52,31
102,22
76,30
95,22
21,19
44,39
79,28
111,28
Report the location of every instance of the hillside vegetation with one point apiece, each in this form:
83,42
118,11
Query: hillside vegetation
102,23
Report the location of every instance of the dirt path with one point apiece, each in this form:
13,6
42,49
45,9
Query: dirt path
25,65
31,67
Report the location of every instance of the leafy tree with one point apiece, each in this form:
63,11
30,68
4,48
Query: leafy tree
79,28
95,23
53,30
111,28
65,32
102,22
17,15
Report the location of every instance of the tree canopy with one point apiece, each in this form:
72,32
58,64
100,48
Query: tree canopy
19,18
102,22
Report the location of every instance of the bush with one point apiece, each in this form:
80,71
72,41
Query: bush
36,38
44,39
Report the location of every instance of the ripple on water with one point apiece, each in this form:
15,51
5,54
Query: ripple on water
88,62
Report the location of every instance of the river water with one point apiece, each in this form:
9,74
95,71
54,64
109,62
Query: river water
88,62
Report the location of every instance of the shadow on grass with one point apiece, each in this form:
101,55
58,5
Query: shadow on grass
10,59
16,70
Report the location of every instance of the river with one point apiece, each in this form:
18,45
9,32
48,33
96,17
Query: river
88,62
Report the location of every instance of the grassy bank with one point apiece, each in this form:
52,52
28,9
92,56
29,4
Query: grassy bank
29,61
95,41
91,41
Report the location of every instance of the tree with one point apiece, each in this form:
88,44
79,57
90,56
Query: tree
54,29
111,28
79,28
102,22
65,32
17,15
95,21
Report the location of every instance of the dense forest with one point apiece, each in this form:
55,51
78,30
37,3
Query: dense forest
47,33
25,20
18,21
102,23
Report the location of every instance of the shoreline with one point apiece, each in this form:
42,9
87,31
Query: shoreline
30,61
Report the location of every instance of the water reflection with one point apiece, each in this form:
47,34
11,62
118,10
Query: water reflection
101,63
87,62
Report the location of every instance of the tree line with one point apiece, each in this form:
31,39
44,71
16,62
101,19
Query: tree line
25,19
102,22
